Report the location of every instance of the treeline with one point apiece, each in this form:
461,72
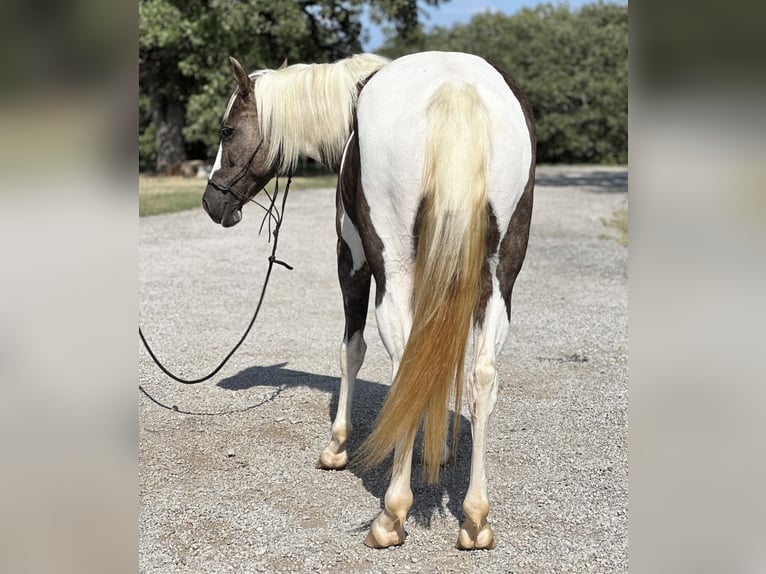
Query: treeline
184,45
573,66
571,63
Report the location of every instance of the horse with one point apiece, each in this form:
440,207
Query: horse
435,155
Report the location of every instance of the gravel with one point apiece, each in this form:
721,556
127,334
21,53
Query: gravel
234,487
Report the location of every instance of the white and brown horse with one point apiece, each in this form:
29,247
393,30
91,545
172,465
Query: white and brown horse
436,157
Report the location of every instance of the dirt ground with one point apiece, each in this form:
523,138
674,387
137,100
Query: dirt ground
233,487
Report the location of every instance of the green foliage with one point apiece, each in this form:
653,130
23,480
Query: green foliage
573,66
158,195
184,47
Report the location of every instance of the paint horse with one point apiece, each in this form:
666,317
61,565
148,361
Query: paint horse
436,157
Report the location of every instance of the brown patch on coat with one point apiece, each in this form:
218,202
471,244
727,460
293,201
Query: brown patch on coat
416,227
350,198
355,288
485,278
513,248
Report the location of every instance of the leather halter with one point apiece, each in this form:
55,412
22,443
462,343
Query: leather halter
226,188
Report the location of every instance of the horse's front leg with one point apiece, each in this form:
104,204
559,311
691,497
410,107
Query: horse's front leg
354,277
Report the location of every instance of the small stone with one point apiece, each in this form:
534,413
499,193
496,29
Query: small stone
230,453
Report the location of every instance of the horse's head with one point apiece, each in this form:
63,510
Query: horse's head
241,168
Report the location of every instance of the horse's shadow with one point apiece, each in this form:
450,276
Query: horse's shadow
368,400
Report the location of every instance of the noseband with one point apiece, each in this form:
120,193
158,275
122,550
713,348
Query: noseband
224,189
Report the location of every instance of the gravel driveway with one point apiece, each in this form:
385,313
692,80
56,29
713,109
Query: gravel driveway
234,488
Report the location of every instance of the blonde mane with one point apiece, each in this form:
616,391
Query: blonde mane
307,109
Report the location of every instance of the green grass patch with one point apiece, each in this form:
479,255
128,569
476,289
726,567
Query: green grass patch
618,223
158,195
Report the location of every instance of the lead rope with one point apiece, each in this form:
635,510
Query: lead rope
272,260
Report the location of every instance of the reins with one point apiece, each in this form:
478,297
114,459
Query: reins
272,260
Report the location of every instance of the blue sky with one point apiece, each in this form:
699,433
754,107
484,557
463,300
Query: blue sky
461,11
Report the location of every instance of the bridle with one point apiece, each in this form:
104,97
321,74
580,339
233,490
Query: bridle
224,189
228,188
273,213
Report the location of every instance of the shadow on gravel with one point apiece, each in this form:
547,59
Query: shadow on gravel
368,399
597,181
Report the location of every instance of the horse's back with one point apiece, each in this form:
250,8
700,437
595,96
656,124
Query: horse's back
392,125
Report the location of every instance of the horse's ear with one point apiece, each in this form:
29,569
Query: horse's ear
284,64
243,80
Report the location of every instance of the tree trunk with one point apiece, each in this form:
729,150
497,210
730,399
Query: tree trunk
168,118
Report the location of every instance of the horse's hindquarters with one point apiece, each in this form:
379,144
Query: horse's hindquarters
391,130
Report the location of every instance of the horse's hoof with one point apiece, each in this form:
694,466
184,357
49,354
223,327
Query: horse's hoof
332,461
384,532
474,537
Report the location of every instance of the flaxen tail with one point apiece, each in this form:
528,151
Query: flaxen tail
450,254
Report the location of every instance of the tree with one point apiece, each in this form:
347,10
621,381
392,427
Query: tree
573,65
184,47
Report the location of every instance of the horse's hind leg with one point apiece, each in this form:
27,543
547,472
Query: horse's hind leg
475,531
394,323
388,527
354,277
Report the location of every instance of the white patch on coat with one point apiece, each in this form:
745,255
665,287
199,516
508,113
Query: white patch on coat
348,230
391,114
217,162
351,237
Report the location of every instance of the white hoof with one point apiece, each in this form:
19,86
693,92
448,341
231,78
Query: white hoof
329,460
385,531
473,536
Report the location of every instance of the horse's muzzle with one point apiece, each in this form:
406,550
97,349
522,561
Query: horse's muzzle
222,208
231,217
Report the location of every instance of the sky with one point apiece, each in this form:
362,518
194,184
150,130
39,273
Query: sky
461,11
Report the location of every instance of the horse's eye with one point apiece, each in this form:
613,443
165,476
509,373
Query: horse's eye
226,132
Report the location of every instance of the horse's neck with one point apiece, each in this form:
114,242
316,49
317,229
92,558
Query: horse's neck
312,109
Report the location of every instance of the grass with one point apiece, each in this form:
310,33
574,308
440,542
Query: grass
619,223
158,195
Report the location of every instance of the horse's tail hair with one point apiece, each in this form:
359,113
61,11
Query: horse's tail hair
450,244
